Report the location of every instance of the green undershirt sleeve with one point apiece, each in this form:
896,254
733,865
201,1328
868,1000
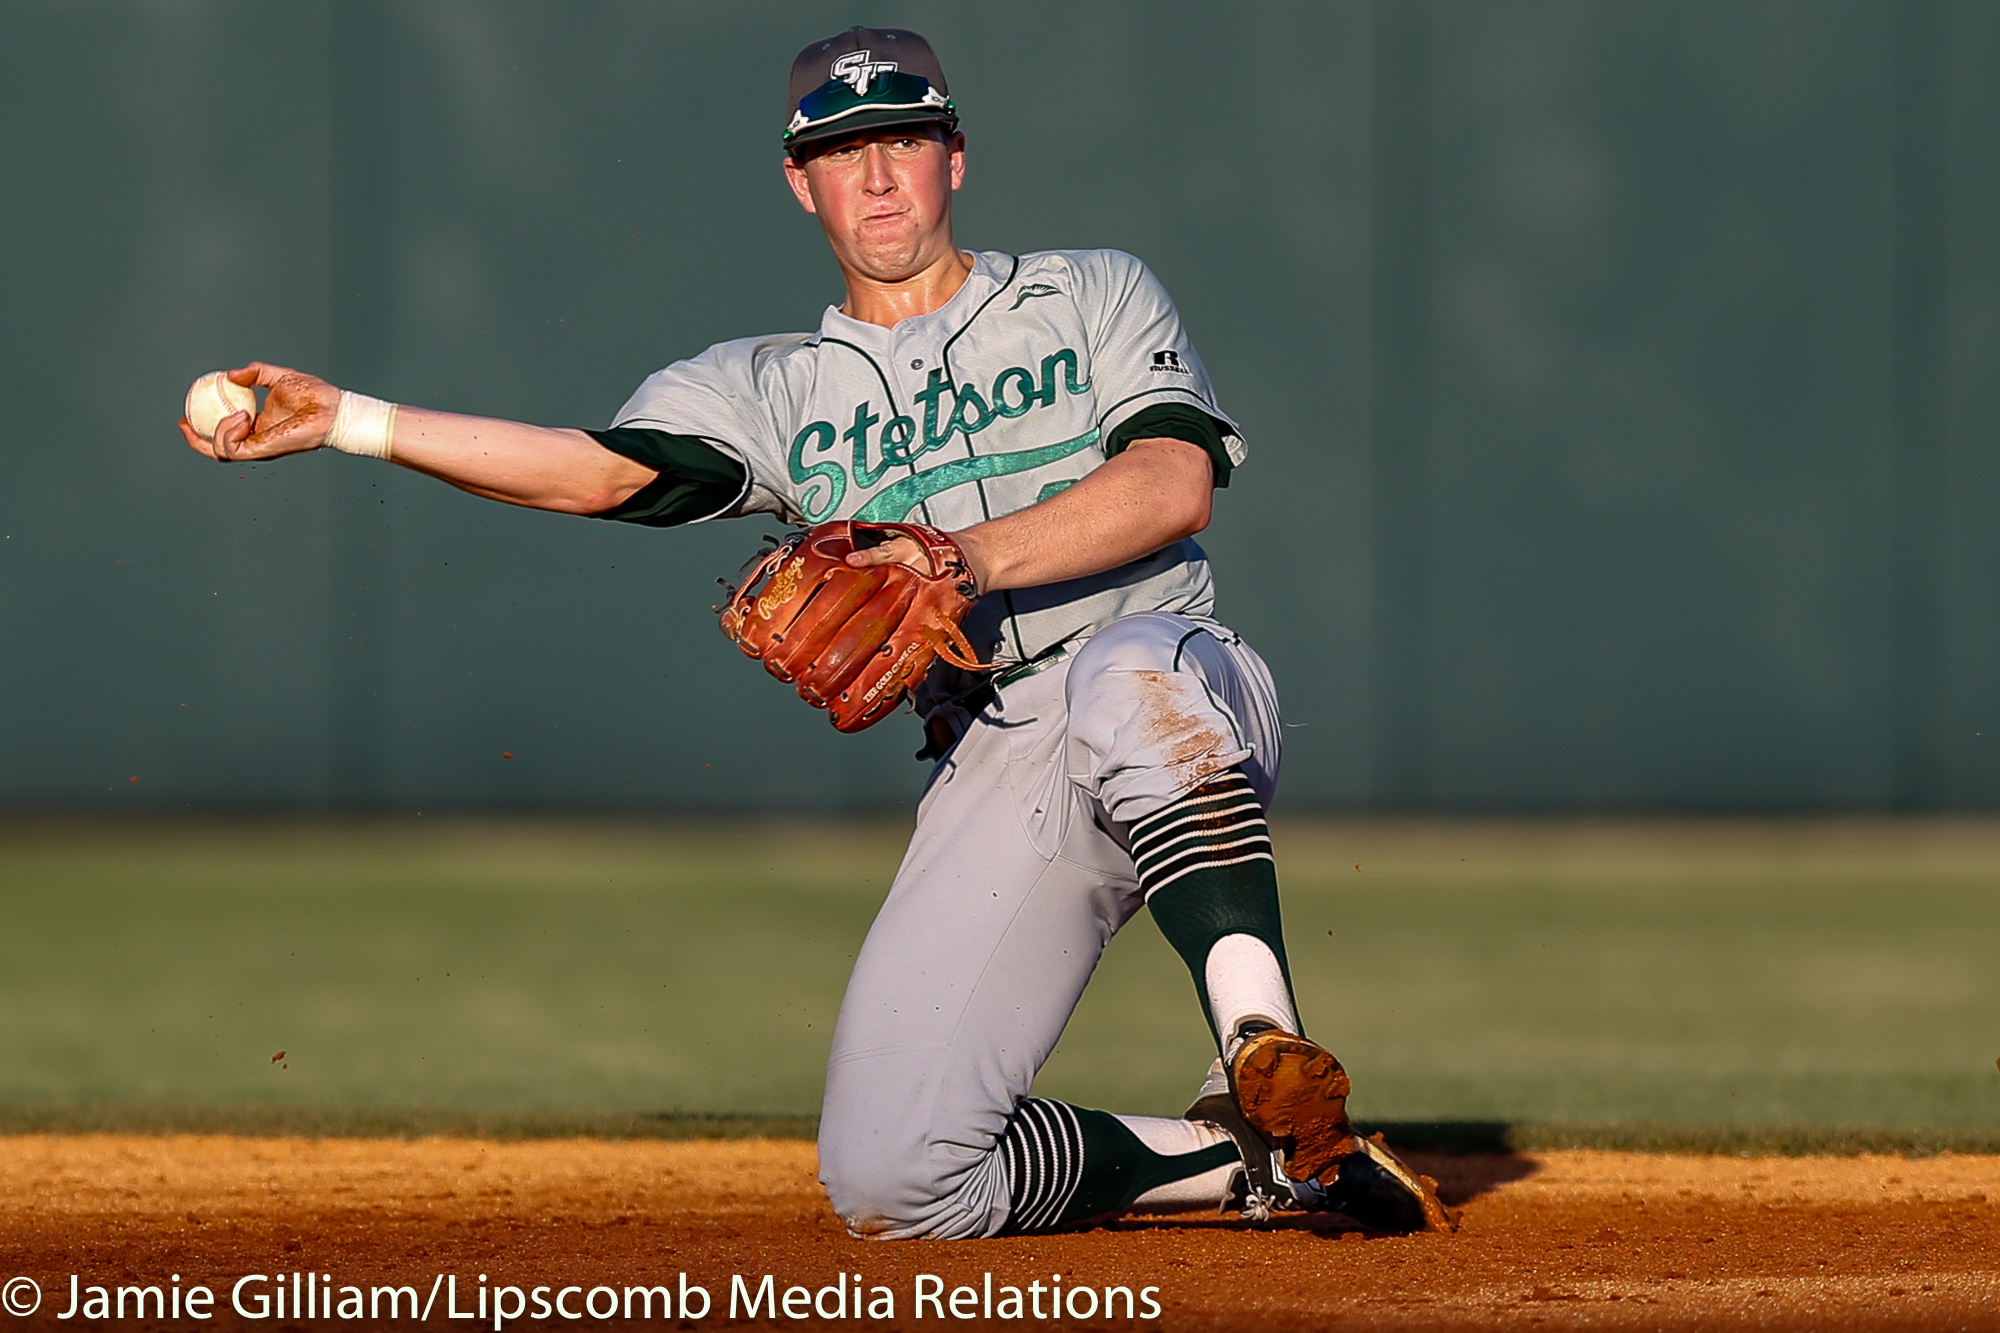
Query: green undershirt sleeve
697,480
1174,421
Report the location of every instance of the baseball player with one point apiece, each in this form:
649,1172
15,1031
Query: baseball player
1049,414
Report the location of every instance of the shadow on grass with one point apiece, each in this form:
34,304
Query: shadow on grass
1466,1157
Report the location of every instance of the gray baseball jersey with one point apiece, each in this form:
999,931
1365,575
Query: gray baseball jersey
1011,391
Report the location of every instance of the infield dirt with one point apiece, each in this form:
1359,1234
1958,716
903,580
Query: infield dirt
1555,1240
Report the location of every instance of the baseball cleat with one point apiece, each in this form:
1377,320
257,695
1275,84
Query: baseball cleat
1283,1099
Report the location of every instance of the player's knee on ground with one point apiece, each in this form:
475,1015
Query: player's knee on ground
1055,1166
897,1186
1144,727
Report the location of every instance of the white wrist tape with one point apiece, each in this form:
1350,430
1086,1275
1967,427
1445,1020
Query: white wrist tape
362,425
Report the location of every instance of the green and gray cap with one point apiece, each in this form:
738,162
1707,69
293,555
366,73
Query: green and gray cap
864,79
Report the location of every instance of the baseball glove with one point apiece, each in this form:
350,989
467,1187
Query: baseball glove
853,641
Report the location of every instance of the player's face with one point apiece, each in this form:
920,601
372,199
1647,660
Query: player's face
884,197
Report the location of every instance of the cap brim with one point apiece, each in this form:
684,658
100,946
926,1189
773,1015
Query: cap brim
870,118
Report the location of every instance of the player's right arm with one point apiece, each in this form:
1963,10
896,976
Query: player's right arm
542,467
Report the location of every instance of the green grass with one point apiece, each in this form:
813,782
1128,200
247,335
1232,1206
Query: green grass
1748,986
495,967
1823,973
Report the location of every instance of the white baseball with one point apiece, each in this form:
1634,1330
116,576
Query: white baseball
213,397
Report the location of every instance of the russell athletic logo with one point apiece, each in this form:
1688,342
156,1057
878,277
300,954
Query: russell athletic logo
1168,362
858,71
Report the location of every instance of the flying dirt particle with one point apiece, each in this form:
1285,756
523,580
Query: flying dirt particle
279,1056
506,754
1357,870
132,779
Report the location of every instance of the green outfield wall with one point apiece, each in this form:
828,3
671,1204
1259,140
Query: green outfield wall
1622,382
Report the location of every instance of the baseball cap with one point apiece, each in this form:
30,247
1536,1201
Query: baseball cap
864,78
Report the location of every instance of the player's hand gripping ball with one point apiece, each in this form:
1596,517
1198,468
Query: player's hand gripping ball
214,397
854,641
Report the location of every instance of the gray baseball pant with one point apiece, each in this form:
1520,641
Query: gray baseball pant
1017,876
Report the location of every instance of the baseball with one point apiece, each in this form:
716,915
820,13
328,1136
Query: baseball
213,397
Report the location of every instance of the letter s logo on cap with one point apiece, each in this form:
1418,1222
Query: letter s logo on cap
858,71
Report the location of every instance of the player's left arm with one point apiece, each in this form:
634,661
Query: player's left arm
1149,496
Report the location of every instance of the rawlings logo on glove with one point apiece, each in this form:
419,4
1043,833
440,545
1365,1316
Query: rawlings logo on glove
853,641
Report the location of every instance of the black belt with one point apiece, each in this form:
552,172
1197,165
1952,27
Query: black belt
941,731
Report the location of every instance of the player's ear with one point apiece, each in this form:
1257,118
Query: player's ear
795,176
955,146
